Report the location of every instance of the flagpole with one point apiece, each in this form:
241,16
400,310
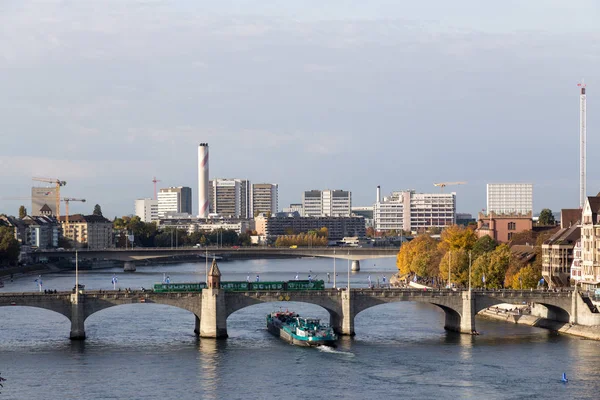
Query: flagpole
206,266
76,273
334,268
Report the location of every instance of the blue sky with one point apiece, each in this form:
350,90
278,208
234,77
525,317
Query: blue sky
342,95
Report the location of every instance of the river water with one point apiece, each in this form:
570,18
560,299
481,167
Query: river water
149,351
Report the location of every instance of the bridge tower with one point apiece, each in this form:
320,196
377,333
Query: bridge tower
213,319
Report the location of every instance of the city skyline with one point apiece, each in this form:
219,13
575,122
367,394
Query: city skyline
329,96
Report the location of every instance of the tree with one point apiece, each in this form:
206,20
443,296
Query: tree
97,210
9,246
22,212
484,244
546,217
419,256
526,278
457,237
493,265
458,261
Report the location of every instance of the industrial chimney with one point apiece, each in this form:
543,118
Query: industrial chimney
378,194
203,180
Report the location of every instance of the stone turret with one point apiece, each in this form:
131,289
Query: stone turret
214,276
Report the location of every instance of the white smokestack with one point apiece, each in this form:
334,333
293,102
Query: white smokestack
378,194
203,180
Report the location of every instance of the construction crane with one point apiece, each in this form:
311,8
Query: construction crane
442,185
67,200
154,180
58,184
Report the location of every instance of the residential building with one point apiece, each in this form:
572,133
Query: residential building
338,227
40,197
411,211
502,226
590,237
558,256
43,232
230,198
264,199
147,209
174,200
19,227
191,224
510,198
326,203
89,231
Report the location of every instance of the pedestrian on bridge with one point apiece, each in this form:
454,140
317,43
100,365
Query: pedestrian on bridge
297,276
328,278
257,278
248,278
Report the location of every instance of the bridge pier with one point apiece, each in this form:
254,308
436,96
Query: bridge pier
355,265
213,319
77,318
344,324
463,322
129,266
197,327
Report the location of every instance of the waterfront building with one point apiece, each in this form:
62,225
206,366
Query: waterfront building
191,224
510,198
502,226
590,236
40,232
264,199
174,200
326,203
230,198
146,209
89,231
43,198
412,212
558,255
338,227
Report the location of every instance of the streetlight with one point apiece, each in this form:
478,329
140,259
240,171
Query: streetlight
334,268
469,270
348,271
449,267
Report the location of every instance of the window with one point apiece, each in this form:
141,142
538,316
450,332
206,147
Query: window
510,235
512,226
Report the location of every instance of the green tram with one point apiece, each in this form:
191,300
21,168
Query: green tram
241,286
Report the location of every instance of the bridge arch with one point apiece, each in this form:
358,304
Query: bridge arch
555,307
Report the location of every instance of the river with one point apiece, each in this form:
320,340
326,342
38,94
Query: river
149,351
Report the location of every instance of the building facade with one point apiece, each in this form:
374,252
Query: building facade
338,227
264,199
147,209
590,243
558,256
326,203
293,208
174,200
40,197
510,198
89,231
230,198
411,211
502,227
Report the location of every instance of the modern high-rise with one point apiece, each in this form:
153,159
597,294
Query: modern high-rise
147,209
411,211
177,200
264,198
230,197
510,198
40,197
327,203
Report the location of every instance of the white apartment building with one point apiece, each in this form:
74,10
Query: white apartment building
294,207
176,200
230,198
590,239
410,211
147,209
507,198
264,199
326,203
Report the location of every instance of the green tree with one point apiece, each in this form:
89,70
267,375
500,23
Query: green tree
22,212
484,244
493,265
458,262
97,210
9,246
546,217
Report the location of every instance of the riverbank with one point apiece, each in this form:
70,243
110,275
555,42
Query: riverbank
588,332
34,269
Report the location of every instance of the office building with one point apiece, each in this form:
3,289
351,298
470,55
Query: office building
326,203
510,198
174,200
264,199
294,208
411,211
230,198
146,209
337,227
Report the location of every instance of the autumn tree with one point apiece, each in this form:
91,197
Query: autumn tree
457,237
9,246
484,244
97,210
526,278
419,256
22,212
493,266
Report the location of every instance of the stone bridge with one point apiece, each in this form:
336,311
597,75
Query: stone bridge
212,307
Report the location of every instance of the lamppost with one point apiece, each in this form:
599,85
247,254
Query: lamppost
449,267
348,271
469,270
334,268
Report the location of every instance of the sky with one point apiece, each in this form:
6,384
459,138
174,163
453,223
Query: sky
107,94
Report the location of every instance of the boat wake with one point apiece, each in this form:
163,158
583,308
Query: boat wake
328,349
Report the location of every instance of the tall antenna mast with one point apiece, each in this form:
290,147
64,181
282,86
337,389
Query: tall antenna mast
154,180
582,144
